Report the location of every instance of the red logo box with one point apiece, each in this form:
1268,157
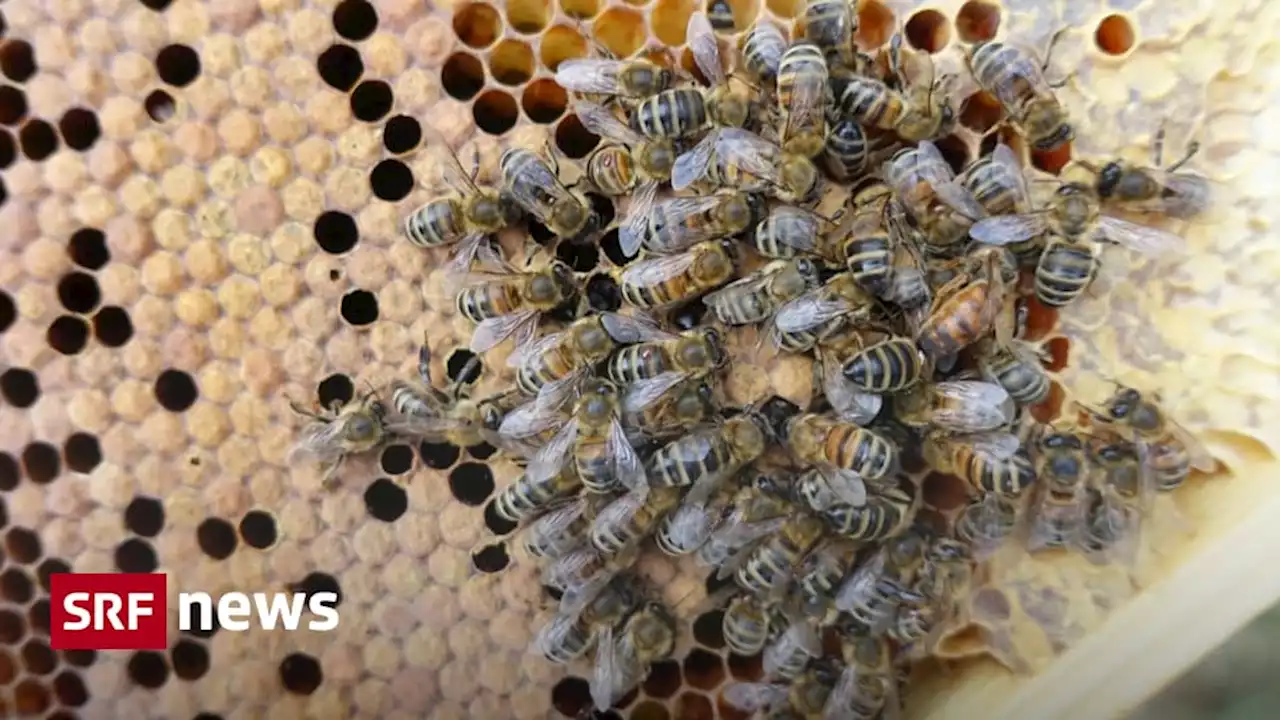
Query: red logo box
109,611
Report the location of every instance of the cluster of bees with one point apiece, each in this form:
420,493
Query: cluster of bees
907,297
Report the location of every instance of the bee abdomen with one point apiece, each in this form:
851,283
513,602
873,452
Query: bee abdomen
888,366
479,303
595,468
741,308
439,222
521,499
1008,477
611,170
870,259
670,467
636,362
745,627
1026,384
671,114
958,323
1063,273
868,102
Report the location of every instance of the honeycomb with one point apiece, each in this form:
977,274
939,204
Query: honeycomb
201,207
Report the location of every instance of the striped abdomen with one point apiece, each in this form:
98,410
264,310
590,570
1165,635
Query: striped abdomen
994,65
611,169
992,186
762,50
1064,272
879,519
829,24
1026,382
987,521
1007,477
745,625
870,103
848,153
647,296
870,259
593,465
888,366
863,451
566,641
613,538
439,222
523,498
689,459
957,324
742,308
774,562
1170,461
779,234
524,170
802,66
639,362
481,302
551,365
671,114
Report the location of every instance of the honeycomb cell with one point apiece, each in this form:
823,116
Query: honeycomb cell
621,31
88,249
10,473
876,23
12,627
981,112
19,387
355,19
148,669
159,106
8,311
335,232
318,582
744,668
359,307
571,696
511,62
977,20
1049,409
340,67
471,483
300,674
175,390
78,292
38,140
528,16
574,140
703,670
31,699
79,128
460,360
560,43
42,462
670,20
649,710
70,690
391,180
440,456
18,60
8,669
477,25
497,524
785,9
463,76
82,451
385,500
928,30
258,529
401,134
371,100
491,558
495,112
136,556
396,459
178,65
112,326
22,545
1052,161
955,151
144,516
580,9
13,105
16,586
1059,350
216,538
664,679
544,101
334,390
190,660
693,706
1114,35
580,256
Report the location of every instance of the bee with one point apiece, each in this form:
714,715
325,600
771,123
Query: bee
627,520
1059,510
746,624
755,514
926,189
631,79
506,301
689,404
1017,367
1157,189
703,460
852,151
524,498
687,528
659,282
802,99
1017,81
654,370
1124,485
720,15
875,589
582,573
329,438
761,50
739,159
1075,229
627,163
992,462
758,296
955,406
554,364
679,223
997,183
465,217
623,659
986,522
830,25
533,182
888,512
964,310
868,686
807,321
566,638
770,566
803,697
726,106
790,652
1172,450
849,453
789,232
922,112
889,366
563,529
424,411
822,574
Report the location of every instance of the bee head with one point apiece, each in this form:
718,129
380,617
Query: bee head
800,178
1061,441
597,400
591,338
1109,178
566,282
1123,404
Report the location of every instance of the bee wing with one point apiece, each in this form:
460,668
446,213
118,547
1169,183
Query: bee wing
808,104
692,165
755,697
636,224
557,521
577,596
561,572
451,172
548,462
701,38
616,513
673,216
318,442
538,190
748,285
851,403
600,120
626,464
810,222
533,350
861,583
846,486
491,332
553,395
931,166
843,694
465,252
425,427
606,676
589,75
1008,229
1004,156
750,152
648,391
655,271
1141,238
1199,455
808,312
953,195
552,634
1022,73
629,329
743,538
972,406
528,420
1000,445
1184,195
689,526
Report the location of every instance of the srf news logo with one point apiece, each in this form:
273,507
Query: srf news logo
128,611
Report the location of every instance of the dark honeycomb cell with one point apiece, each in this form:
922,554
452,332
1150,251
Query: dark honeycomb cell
458,361
471,483
258,529
13,105
42,461
955,151
483,451
207,716
371,100
708,629
178,65
70,689
136,556
359,307
703,670
112,326
22,545
79,128
977,20
8,311
385,500
745,668
190,660
300,674
355,19
78,292
391,180
80,658
157,5
148,669
495,112
38,658
12,627
715,584
540,233
175,390
689,315
318,582
401,134
38,616
19,387
159,105
216,538
82,452
340,67
574,140
335,232
440,456
31,699
462,76
68,334
581,256
612,247
18,60
497,524
477,25
49,568
16,586
10,473
88,249
38,140
491,559
571,696
8,149
603,207
397,459
664,679
1114,35
337,389
144,516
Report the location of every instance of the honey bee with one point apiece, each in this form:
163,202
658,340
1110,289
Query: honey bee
690,404
997,183
1157,189
584,572
663,361
922,112
987,522
746,624
875,589
758,296
562,529
524,498
810,319
992,462
533,182
424,411
804,697
1172,450
803,98
627,520
662,281
1076,230
848,454
505,301
726,106
823,571
720,15
761,49
830,25
852,151
790,652
889,366
555,363
465,217
926,189
1017,81
965,309
627,164
770,566
329,438
888,512
1124,485
789,232
1059,509
566,638
623,659
679,223
1017,367
868,686
631,79
754,515
739,159
704,459
956,406
689,526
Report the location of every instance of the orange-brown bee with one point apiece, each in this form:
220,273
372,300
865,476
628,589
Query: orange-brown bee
966,309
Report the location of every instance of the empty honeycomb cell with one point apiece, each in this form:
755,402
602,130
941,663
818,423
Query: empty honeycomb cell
258,529
10,472
928,30
157,5
944,492
391,180
16,586
178,65
471,483
190,660
18,60
461,359
30,698
340,66
581,256
78,292
785,9
401,134
336,389
144,516
88,249
745,668
495,112
216,538
440,456
82,451
483,451
8,311
574,140
335,232
12,627
955,150
385,500
8,149
876,23
359,307
8,669
664,679
148,669
708,629
318,582
491,558
571,696
981,112
42,462
694,706
462,76
703,670
603,294
22,545
670,19
977,20
497,524
649,710
396,459
1051,407
70,690
19,387
511,62
47,569
136,556
112,326
622,32
38,140
80,129
477,25
1052,161
175,390
371,100
13,105
1114,35
560,43
300,674
355,19
159,106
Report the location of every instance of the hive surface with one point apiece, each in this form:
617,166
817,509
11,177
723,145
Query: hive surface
199,219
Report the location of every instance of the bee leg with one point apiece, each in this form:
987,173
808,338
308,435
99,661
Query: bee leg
1049,48
475,162
293,405
1193,147
461,383
330,480
549,154
424,362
